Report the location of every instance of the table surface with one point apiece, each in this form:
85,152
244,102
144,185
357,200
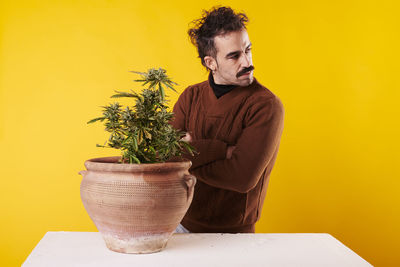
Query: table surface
88,249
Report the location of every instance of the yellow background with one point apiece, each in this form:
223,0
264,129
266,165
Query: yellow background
334,64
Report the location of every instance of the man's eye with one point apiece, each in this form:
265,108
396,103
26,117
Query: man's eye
248,50
235,56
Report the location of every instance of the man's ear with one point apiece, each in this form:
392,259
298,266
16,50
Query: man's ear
210,63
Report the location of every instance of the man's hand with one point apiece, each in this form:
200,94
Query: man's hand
187,138
229,151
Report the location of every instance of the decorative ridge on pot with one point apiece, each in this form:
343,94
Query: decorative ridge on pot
102,164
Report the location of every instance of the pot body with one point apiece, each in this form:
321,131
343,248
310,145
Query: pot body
136,207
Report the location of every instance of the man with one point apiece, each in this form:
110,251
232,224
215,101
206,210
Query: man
234,123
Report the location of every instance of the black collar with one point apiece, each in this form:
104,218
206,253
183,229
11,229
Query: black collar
219,89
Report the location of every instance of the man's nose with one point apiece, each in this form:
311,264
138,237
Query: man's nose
246,61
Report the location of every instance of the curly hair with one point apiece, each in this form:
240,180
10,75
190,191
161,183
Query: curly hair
217,21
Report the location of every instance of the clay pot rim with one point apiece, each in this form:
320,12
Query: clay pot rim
110,164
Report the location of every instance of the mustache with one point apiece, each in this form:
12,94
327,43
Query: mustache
243,71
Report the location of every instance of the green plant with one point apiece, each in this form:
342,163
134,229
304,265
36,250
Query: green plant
143,132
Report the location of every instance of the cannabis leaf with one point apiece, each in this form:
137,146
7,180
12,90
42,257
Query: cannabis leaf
143,132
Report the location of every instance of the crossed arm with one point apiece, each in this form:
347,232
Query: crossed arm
240,170
229,149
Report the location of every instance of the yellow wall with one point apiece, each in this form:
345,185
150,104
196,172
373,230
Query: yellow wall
334,64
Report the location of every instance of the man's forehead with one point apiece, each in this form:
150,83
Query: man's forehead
232,41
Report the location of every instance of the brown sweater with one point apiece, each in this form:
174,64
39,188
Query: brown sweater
229,193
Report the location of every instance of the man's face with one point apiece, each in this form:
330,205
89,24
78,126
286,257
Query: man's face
233,58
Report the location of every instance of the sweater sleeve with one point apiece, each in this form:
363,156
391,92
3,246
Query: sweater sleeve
209,149
254,150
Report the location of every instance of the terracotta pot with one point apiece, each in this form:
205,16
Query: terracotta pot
136,207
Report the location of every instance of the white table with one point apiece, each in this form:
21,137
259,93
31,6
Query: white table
88,249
